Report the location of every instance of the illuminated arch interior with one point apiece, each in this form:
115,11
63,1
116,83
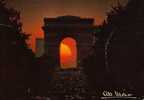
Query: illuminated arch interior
68,53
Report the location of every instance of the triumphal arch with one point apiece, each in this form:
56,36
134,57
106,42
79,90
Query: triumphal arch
79,32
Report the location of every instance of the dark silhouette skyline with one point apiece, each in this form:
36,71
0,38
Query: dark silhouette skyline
111,55
33,12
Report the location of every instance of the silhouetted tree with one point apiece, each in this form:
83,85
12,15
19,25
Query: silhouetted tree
17,61
121,37
124,44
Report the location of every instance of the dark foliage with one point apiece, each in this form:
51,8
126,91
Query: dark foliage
17,61
125,48
122,35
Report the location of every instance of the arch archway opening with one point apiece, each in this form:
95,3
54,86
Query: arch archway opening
68,53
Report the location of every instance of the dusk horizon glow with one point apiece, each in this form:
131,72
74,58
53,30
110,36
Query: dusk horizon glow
33,12
68,53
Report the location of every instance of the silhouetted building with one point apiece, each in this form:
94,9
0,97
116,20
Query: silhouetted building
39,47
57,29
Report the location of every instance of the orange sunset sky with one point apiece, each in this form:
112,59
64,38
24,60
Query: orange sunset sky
68,53
33,12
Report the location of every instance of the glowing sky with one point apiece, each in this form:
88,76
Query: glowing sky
66,50
33,11
68,53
